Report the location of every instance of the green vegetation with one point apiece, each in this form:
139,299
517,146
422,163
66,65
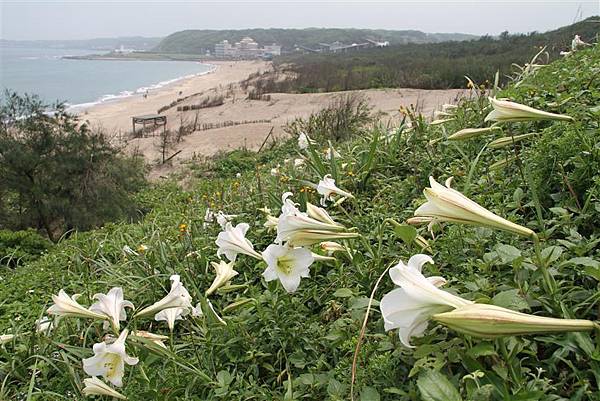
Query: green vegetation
21,247
56,174
280,346
427,66
194,41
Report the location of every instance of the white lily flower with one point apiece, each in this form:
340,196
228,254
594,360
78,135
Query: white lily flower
214,312
178,297
44,325
170,315
6,338
271,223
326,188
197,310
576,43
299,163
330,153
68,306
303,141
287,264
299,229
209,217
109,360
128,251
410,307
232,241
275,171
223,219
155,338
224,272
238,175
446,204
95,386
112,305
507,111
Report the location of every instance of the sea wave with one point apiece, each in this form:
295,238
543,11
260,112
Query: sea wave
141,90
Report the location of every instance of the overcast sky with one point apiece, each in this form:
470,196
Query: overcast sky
25,19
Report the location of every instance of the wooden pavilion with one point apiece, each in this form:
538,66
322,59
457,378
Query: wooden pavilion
154,120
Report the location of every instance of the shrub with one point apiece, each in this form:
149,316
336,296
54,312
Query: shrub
345,117
20,247
56,174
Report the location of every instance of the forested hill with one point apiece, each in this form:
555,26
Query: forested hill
428,66
198,41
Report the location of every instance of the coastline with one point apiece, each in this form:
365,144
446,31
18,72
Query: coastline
235,120
114,116
140,56
108,98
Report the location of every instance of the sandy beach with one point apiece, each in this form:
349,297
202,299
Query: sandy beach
115,116
238,122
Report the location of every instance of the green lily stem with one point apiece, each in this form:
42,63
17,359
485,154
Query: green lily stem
549,282
504,351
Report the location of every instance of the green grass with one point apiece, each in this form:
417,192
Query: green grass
300,346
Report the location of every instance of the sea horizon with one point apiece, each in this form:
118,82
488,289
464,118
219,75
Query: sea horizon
80,84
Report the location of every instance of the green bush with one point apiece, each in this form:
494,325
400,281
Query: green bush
56,174
21,247
345,117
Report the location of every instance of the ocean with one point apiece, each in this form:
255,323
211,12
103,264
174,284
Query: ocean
81,83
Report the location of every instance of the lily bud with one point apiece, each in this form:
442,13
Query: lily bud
469,133
507,111
490,321
447,204
509,140
318,213
500,164
6,338
95,386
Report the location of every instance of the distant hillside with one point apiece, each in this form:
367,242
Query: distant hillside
199,41
427,66
130,42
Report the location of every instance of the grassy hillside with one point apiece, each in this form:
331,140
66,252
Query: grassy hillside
199,41
271,345
429,66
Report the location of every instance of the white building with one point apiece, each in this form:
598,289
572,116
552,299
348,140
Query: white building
273,50
245,48
223,49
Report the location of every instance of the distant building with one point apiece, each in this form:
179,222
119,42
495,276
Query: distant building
223,49
123,50
273,50
245,48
